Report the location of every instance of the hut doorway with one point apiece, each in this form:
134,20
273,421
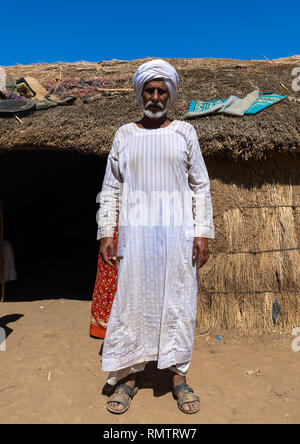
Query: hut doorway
50,220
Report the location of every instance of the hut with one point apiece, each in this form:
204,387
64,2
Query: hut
252,280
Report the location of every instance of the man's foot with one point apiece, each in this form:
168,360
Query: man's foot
187,401
120,400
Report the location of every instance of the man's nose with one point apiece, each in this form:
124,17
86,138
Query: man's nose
155,96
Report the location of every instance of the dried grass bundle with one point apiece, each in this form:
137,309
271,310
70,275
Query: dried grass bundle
241,288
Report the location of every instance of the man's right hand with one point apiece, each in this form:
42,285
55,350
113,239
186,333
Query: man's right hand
107,251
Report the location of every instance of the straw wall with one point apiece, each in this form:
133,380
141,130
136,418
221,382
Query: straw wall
252,279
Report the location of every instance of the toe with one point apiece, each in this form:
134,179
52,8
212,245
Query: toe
190,406
186,406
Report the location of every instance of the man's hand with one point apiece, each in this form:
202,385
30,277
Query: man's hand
107,250
200,251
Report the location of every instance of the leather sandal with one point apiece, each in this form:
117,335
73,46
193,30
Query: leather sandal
188,396
120,396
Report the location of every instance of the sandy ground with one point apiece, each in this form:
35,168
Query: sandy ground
50,373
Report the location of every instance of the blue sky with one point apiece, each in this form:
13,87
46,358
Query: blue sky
69,31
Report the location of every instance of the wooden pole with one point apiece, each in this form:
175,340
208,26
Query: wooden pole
115,89
2,253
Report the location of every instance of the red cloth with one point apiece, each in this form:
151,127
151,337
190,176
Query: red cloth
103,295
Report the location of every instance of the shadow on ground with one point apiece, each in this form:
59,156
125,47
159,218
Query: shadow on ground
8,319
158,380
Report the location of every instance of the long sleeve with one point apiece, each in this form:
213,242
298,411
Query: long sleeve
107,215
200,186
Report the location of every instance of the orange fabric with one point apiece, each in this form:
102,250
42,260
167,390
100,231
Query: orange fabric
97,331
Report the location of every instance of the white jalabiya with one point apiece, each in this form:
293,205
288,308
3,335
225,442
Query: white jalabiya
154,310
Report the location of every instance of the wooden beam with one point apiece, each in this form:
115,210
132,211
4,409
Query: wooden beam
2,253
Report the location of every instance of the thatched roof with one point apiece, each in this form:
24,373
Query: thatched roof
89,128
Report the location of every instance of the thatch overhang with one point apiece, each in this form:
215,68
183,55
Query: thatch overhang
89,128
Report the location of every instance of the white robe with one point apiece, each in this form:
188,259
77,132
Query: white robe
154,310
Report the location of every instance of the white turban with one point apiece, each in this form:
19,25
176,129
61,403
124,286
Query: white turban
155,69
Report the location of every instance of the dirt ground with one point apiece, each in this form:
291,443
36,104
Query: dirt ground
50,373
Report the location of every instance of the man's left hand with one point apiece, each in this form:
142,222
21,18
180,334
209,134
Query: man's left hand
200,251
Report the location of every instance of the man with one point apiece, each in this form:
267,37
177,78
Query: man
156,185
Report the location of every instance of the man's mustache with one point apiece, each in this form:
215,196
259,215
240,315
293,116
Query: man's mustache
157,104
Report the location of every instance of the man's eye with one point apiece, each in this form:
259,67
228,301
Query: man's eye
161,92
149,91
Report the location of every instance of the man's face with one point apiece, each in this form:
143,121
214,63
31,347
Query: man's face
155,97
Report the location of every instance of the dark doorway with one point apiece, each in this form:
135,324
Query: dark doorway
50,219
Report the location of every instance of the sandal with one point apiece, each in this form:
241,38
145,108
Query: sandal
188,396
119,396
